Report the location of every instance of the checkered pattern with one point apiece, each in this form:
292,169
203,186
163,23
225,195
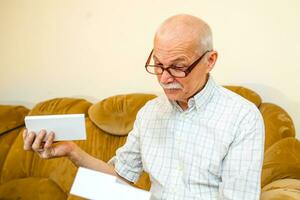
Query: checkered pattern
213,150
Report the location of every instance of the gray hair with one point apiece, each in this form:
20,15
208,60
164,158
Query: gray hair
205,38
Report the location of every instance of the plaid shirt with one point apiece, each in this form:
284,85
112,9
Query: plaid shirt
212,150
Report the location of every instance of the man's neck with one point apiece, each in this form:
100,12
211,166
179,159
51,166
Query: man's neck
183,104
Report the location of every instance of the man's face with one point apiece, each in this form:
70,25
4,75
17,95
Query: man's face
180,55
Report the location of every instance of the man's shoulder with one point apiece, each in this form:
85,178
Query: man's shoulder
244,112
235,104
234,99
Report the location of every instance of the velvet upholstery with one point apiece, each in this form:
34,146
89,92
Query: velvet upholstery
6,141
282,160
11,121
278,123
282,189
31,188
11,117
281,194
246,93
61,106
124,109
107,124
283,184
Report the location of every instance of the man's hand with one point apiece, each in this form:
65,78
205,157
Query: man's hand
47,149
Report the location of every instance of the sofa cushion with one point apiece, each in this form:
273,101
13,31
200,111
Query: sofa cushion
19,164
280,194
31,188
281,161
61,106
116,114
11,117
278,124
283,184
246,93
6,142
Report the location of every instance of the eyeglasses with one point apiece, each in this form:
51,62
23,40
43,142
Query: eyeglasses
173,71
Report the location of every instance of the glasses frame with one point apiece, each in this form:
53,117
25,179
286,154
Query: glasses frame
186,72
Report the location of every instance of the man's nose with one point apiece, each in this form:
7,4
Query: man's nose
166,77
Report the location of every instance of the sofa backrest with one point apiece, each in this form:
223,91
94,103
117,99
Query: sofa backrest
100,144
108,123
11,122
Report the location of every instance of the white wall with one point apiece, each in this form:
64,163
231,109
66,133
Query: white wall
95,49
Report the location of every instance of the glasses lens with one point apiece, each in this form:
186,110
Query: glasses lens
177,72
152,69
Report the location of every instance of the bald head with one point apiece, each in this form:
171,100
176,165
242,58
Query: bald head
185,28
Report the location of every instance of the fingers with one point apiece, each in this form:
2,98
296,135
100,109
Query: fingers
25,132
49,141
29,138
36,145
48,147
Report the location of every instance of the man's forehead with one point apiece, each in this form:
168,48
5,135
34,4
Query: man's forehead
175,51
172,38
171,57
176,44
178,58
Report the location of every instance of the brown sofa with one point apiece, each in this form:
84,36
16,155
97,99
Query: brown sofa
23,175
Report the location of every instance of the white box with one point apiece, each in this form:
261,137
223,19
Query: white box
100,186
65,127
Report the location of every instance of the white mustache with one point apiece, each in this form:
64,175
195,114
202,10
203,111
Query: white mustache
171,86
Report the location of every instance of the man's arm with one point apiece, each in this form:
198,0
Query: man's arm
48,149
80,158
241,171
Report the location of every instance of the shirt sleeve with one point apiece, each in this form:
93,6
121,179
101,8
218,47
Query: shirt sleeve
128,162
242,166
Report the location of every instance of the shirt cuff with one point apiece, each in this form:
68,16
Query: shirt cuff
125,171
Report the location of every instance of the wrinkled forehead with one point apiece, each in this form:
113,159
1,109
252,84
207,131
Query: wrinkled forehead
178,41
166,49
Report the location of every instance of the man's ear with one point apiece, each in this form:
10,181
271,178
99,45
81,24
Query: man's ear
211,60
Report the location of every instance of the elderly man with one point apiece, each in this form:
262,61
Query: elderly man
201,142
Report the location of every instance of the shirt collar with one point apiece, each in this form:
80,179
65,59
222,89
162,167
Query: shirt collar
201,99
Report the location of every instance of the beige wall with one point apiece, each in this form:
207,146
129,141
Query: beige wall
95,49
